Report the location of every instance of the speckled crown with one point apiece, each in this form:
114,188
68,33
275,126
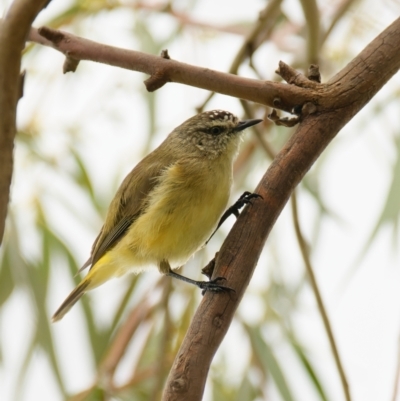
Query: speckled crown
221,115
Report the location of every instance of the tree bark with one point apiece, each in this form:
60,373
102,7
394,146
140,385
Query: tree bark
14,29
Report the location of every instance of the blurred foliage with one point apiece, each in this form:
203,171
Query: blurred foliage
152,316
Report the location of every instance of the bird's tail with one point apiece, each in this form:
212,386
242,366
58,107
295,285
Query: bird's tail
104,269
71,300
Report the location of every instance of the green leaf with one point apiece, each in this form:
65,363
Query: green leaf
6,279
220,389
391,210
12,264
82,178
308,368
122,306
268,361
390,213
247,391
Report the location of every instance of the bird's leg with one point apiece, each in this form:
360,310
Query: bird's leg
211,285
243,200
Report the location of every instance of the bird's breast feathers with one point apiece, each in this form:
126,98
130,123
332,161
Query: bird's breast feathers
181,212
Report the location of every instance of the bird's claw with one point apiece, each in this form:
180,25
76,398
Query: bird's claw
213,285
245,199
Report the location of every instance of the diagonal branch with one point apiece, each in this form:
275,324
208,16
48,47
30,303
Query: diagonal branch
356,84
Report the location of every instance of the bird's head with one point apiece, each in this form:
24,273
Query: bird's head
212,133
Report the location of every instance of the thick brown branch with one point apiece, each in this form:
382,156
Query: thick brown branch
14,29
240,252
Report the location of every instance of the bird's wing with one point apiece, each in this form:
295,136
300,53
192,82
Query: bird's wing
110,239
129,202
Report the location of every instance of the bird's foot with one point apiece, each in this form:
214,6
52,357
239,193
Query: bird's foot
211,285
244,199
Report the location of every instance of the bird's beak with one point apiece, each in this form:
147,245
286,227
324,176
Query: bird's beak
246,124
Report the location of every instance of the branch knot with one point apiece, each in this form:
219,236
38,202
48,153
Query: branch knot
51,34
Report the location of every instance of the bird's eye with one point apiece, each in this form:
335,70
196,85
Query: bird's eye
216,130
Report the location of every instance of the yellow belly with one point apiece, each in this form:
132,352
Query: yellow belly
182,213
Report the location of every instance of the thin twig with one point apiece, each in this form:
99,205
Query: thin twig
266,21
258,131
311,14
318,297
122,340
340,12
139,377
186,19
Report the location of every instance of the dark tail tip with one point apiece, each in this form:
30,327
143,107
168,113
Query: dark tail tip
71,300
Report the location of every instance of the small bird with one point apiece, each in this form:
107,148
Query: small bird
168,205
